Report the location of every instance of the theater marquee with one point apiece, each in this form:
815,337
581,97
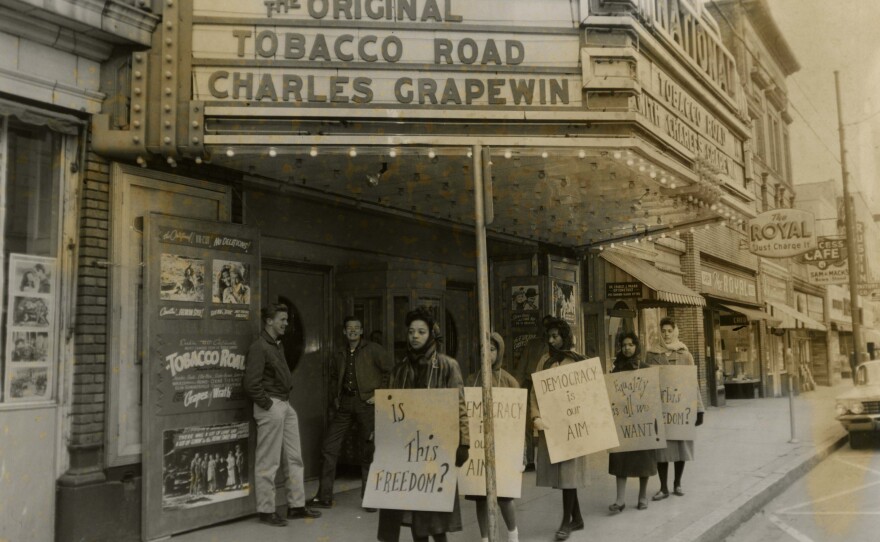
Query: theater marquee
361,53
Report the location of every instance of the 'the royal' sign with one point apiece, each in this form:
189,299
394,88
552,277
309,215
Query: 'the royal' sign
782,233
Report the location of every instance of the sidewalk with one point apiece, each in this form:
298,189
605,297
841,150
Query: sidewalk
743,459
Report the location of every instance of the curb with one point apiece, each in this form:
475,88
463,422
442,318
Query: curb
726,519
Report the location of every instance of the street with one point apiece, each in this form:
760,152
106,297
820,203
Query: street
838,500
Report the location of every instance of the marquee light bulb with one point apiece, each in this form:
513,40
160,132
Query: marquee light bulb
230,153
272,152
582,154
544,155
392,153
432,154
313,152
353,152
508,154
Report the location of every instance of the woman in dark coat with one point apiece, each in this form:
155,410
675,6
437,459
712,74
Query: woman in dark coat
425,368
641,464
573,473
669,350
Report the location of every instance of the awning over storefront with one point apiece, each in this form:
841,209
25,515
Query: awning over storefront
754,315
793,318
664,286
841,325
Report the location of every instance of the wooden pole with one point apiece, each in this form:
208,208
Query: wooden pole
851,234
480,164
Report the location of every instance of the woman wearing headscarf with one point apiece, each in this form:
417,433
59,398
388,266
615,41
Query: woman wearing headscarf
641,464
570,474
500,379
424,367
669,350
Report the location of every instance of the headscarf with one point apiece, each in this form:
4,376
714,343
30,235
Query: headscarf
417,360
559,354
674,345
496,338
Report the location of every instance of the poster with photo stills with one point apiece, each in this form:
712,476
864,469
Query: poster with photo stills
31,310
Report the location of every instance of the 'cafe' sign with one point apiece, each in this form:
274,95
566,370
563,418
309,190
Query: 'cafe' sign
782,233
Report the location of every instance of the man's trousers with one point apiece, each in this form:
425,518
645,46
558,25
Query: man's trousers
352,410
277,439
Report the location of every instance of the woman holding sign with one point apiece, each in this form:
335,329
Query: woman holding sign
570,474
425,368
500,379
671,351
641,464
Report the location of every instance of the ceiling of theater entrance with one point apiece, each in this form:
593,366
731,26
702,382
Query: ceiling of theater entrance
563,196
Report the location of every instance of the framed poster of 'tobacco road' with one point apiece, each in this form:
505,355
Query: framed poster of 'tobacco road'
201,312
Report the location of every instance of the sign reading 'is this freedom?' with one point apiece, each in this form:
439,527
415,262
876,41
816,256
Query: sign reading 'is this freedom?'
509,417
575,408
638,413
414,464
679,395
782,233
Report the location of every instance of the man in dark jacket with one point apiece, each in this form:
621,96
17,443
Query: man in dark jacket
267,381
359,368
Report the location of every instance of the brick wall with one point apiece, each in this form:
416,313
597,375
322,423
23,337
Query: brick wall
88,408
690,319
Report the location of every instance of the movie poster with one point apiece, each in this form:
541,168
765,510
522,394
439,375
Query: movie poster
200,373
204,465
564,300
29,359
524,306
182,278
231,282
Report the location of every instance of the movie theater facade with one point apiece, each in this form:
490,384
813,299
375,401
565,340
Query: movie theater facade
364,156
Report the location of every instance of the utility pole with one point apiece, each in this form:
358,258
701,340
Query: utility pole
851,240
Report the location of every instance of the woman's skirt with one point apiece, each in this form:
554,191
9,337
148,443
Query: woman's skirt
422,524
569,474
676,450
637,464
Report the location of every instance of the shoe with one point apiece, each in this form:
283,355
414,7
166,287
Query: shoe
564,532
678,491
660,495
577,526
369,510
273,519
315,502
643,505
300,513
616,508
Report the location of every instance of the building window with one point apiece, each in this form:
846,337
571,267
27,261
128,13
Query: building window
758,129
30,215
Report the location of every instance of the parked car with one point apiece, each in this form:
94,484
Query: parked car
858,410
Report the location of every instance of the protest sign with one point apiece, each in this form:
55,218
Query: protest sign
679,394
575,408
509,415
414,464
638,414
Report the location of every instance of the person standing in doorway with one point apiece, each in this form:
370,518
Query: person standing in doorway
267,381
669,350
359,368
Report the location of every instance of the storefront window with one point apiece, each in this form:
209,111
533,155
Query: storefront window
30,216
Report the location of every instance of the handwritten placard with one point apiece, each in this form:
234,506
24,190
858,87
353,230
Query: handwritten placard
509,415
679,396
575,408
638,414
416,438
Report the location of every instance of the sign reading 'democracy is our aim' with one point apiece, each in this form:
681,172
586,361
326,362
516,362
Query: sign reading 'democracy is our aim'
575,408
782,233
390,53
509,415
679,395
638,413
414,464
